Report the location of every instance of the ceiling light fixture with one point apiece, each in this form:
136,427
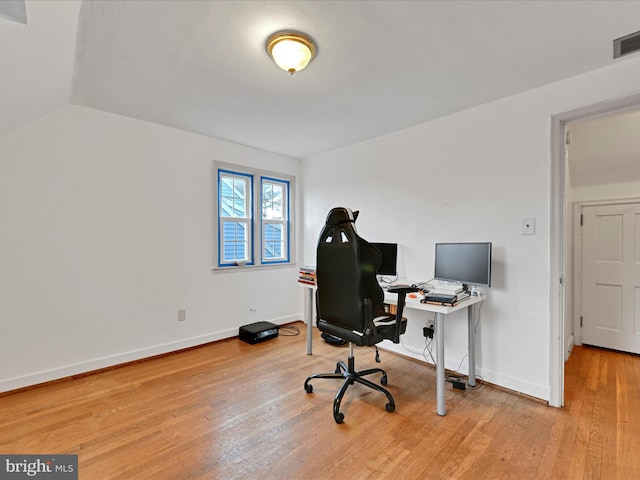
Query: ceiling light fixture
291,51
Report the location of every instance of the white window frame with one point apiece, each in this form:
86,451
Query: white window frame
283,222
256,223
248,181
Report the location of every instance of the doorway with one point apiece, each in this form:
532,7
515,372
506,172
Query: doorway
561,241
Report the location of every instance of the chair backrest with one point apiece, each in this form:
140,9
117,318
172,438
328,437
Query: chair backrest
346,266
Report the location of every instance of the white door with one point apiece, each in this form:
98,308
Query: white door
611,277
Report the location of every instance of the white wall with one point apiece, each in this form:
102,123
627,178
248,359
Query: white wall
471,176
106,232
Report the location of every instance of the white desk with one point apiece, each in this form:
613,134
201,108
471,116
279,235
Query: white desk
470,304
308,313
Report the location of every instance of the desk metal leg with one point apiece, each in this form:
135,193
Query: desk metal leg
308,317
471,317
441,408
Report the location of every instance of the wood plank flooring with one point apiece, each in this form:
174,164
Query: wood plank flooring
230,410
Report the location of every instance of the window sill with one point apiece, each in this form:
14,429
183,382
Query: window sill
246,268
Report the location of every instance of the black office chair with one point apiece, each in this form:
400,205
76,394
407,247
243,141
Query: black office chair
349,301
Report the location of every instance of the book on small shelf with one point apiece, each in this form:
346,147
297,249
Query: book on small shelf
307,275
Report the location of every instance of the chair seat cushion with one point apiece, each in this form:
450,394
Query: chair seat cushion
385,329
386,326
385,320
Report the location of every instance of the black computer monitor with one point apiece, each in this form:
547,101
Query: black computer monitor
467,263
389,253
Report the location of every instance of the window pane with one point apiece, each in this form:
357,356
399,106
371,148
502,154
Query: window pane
233,196
226,196
234,241
273,241
272,201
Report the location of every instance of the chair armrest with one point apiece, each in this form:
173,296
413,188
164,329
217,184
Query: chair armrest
401,291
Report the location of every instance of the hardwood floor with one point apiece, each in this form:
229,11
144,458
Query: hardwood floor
236,411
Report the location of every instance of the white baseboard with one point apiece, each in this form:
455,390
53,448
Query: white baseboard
510,383
57,373
569,348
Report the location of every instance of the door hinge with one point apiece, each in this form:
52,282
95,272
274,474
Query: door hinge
581,321
567,138
581,219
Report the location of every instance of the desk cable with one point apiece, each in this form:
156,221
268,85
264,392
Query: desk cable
428,343
385,280
456,379
291,331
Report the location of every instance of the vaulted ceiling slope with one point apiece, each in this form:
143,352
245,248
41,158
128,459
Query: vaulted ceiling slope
381,66
36,60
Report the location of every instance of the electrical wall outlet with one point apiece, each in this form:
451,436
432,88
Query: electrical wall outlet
182,315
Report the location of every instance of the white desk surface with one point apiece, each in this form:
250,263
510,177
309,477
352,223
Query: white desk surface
415,303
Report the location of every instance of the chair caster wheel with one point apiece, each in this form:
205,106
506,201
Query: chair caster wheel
339,418
390,407
383,380
308,387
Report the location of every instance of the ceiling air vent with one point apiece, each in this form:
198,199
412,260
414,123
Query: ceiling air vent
626,45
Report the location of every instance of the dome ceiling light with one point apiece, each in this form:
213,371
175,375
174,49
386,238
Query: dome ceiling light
292,51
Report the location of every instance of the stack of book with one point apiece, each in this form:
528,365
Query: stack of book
445,299
462,296
307,275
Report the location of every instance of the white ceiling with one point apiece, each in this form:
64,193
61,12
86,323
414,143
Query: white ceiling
36,61
381,66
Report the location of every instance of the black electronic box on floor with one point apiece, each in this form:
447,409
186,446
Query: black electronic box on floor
258,332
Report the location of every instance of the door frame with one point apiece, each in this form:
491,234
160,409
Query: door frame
578,256
561,300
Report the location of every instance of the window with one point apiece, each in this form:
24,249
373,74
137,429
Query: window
244,236
234,214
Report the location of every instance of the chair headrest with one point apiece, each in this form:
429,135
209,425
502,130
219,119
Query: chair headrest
340,215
